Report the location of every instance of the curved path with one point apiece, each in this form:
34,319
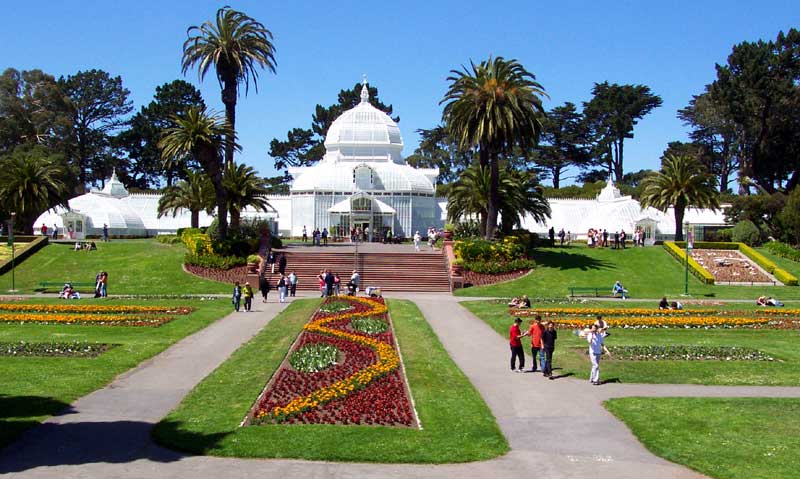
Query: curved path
557,429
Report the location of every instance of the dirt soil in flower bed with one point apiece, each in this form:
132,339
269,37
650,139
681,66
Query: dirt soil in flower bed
238,273
482,279
729,266
383,402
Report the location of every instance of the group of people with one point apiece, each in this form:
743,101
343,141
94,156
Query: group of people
101,285
768,301
279,259
85,246
543,344
522,302
318,238
666,305
68,292
330,283
562,236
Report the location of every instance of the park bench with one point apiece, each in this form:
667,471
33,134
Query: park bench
596,291
77,285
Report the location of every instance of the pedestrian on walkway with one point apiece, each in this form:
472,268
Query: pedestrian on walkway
247,293
322,286
282,289
535,332
514,335
263,285
549,337
237,296
596,339
292,283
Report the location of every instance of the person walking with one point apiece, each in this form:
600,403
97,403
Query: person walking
247,293
549,337
417,239
271,262
104,284
236,299
514,335
596,339
535,332
55,231
292,283
263,286
105,233
282,264
305,234
282,289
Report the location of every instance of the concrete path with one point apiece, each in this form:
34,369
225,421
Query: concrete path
557,429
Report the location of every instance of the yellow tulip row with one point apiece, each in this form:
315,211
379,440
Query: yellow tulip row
667,322
628,312
388,361
92,308
77,318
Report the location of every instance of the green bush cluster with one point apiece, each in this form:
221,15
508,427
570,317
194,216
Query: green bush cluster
214,261
781,275
746,232
169,239
507,249
783,250
673,249
493,267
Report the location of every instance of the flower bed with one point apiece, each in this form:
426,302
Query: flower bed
366,387
74,349
484,279
686,353
104,315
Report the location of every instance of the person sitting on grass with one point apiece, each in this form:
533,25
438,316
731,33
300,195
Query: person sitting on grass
523,302
675,305
663,304
761,301
774,302
619,289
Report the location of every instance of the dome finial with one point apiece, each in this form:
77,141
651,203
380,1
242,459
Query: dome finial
364,89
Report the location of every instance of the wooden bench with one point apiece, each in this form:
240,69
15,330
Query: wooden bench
77,285
596,291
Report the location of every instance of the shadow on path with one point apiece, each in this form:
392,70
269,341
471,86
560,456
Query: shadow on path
565,261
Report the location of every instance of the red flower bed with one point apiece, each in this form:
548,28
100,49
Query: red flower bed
366,386
238,273
483,279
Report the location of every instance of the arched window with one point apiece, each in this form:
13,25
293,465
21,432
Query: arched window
362,177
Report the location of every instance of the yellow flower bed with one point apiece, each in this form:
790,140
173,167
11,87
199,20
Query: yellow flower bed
668,322
93,308
84,318
388,361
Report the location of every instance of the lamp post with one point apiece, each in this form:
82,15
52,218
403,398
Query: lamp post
13,251
689,246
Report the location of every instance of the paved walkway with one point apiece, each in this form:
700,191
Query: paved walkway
557,429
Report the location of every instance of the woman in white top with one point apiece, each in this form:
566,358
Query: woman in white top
417,239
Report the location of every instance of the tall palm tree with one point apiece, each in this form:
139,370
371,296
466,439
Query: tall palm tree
195,193
245,188
237,46
200,134
519,195
29,185
681,183
494,106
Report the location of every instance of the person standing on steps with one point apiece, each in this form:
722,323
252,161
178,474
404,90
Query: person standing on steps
282,264
549,337
292,283
514,335
236,299
247,293
271,262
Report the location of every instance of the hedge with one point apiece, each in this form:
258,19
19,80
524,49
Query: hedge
214,261
680,254
36,243
781,275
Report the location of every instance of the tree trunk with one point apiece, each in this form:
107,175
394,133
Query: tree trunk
236,218
556,172
680,210
229,99
211,162
195,221
494,199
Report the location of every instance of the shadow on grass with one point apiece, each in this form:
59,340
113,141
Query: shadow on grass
115,442
565,260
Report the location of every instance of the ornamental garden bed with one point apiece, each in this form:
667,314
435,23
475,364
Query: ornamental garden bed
237,273
89,314
483,279
344,368
73,349
674,352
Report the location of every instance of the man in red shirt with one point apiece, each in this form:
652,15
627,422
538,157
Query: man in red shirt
514,335
535,332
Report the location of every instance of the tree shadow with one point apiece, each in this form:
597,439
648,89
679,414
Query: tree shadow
565,260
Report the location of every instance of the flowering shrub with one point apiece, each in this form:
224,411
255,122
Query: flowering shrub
687,353
213,261
74,349
493,267
507,249
314,357
367,388
784,250
197,243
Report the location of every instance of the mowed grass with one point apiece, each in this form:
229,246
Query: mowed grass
457,424
142,266
34,388
646,272
742,438
570,357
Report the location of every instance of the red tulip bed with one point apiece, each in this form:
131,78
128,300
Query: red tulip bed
365,386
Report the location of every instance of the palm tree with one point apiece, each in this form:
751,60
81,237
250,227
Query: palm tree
30,184
200,134
681,183
245,188
519,195
236,45
195,193
493,106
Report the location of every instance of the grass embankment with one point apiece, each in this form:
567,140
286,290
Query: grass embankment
34,388
457,424
742,438
646,272
134,267
784,345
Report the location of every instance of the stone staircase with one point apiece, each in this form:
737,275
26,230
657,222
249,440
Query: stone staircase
408,272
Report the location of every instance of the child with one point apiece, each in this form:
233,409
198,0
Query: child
237,296
247,292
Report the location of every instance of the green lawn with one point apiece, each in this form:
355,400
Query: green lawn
134,267
781,344
457,424
646,272
743,438
34,388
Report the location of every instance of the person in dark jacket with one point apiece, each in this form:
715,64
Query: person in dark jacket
282,264
329,282
263,286
548,346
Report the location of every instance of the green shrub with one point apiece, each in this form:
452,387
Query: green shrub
746,232
253,258
673,249
507,249
783,250
494,267
169,239
781,275
467,229
709,245
214,261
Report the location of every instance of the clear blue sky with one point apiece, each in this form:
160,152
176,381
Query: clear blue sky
407,49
